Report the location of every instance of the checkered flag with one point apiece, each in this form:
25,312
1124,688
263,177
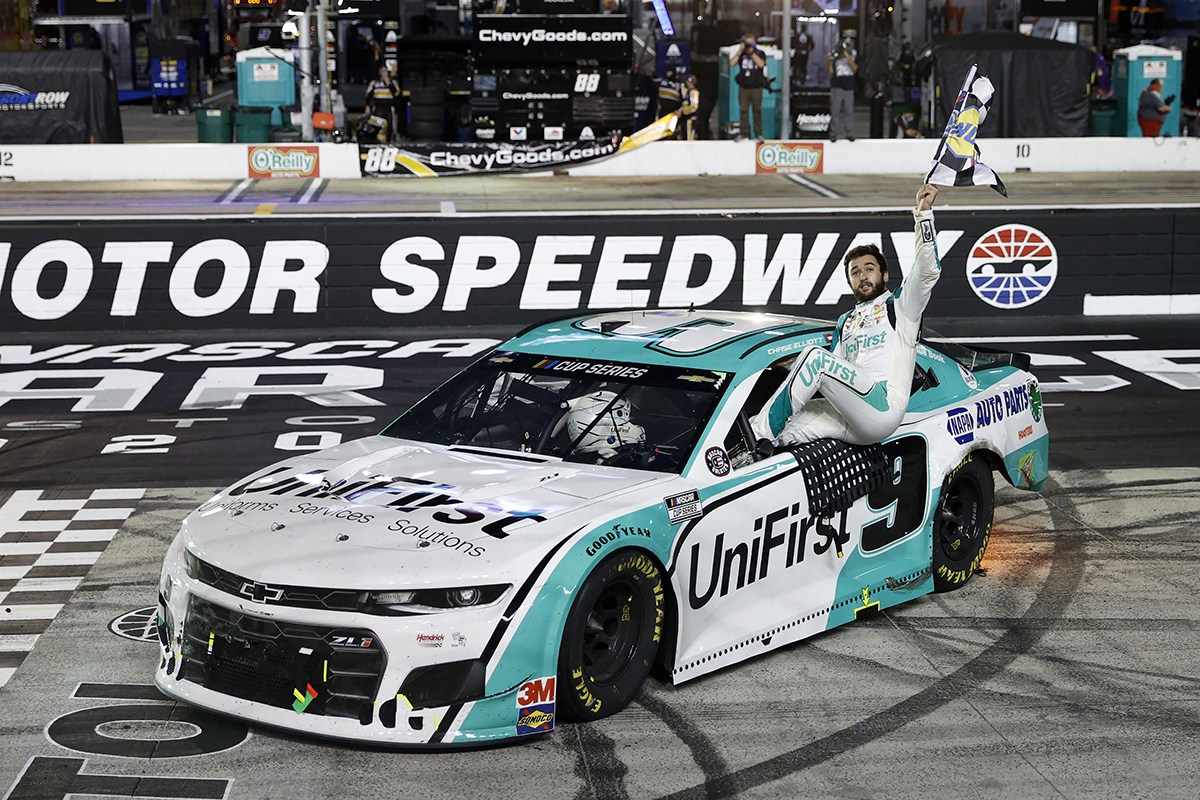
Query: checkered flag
956,162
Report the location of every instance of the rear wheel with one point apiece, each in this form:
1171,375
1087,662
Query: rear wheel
963,524
611,637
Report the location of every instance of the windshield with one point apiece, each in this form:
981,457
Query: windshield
581,410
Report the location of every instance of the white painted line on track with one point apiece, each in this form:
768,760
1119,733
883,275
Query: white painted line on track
313,188
448,207
17,642
233,194
19,611
1124,305
812,185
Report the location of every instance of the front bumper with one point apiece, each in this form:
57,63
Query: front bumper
406,681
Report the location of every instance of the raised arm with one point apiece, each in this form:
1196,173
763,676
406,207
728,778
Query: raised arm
918,283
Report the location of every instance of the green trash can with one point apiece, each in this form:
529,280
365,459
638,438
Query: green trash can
215,125
1104,119
253,125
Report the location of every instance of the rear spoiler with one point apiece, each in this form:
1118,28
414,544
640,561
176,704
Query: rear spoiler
977,358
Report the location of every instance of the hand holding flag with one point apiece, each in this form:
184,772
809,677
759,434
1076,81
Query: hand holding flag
956,162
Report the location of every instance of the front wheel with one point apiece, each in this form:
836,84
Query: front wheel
611,637
963,524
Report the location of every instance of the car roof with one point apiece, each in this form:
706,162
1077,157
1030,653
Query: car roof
727,341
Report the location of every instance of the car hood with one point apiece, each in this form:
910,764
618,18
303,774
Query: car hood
381,513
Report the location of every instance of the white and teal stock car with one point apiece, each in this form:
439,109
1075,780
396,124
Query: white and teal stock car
587,501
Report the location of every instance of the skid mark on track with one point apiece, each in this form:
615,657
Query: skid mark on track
1053,598
599,769
47,546
703,749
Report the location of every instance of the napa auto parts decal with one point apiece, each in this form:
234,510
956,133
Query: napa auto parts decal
179,274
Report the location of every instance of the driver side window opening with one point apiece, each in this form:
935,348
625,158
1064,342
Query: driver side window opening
739,441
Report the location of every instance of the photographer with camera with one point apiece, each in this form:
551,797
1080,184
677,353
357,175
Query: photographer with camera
842,65
751,80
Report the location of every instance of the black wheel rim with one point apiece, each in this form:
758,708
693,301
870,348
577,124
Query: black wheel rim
611,632
958,519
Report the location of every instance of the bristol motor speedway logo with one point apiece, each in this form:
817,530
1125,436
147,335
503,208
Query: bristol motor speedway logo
1012,266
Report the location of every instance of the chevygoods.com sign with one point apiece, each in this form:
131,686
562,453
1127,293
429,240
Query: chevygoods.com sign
351,273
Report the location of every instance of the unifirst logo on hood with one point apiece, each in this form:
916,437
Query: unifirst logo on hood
16,98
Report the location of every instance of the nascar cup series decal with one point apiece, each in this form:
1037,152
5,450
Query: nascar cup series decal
1012,266
684,506
535,706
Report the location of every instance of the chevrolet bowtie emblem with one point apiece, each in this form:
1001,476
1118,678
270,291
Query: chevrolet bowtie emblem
260,592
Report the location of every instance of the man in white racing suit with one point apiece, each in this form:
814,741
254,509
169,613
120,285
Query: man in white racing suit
867,378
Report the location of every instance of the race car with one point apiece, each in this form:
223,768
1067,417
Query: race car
581,505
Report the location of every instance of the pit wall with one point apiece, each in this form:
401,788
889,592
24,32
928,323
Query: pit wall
334,272
145,162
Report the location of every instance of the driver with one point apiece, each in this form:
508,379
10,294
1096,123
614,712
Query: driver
595,424
868,376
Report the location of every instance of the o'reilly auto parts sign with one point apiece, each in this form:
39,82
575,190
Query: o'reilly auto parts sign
564,37
441,271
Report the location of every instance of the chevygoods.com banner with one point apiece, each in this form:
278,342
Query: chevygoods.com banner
335,272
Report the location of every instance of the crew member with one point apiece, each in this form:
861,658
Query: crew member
670,91
385,99
867,378
689,110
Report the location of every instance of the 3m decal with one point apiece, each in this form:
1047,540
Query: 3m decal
535,706
538,690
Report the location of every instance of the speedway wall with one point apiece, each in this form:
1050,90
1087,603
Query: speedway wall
335,272
119,162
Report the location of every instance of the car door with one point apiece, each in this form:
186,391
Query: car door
755,570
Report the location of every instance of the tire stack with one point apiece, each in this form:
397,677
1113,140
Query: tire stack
428,109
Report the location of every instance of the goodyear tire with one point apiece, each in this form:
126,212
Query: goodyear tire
611,636
963,524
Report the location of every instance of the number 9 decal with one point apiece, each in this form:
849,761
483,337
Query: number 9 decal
904,500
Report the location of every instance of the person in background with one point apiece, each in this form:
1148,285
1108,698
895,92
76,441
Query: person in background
907,126
842,65
385,99
751,79
803,46
670,89
1152,109
688,110
905,63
